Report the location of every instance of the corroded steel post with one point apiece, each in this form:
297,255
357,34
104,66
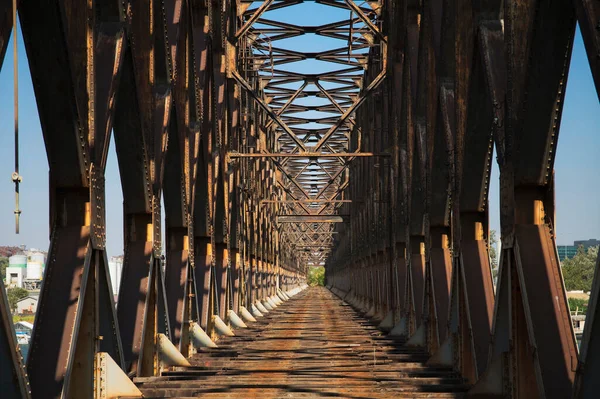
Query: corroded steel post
12,370
467,117
15,384
75,54
141,123
533,350
587,385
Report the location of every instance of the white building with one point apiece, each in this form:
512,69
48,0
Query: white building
35,265
27,305
16,271
26,270
23,327
23,331
15,276
115,269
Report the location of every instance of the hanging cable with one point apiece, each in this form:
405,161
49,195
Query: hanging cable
16,178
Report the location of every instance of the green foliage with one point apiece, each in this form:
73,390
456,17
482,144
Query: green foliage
578,304
14,295
578,271
3,266
26,317
493,242
316,276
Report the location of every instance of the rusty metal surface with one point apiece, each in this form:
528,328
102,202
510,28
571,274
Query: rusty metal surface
312,346
130,311
83,47
5,27
13,379
382,187
441,274
203,279
417,267
546,308
586,385
479,286
175,282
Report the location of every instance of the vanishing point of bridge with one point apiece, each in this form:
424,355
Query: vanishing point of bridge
273,153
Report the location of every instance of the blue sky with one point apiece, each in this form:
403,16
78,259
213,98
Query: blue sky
577,162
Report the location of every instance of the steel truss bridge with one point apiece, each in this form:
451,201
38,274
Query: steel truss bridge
376,166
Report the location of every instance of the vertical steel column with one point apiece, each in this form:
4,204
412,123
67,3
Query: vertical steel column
80,47
587,385
184,178
533,351
141,122
431,127
472,290
13,380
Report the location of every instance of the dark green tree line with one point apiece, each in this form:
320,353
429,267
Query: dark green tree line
578,272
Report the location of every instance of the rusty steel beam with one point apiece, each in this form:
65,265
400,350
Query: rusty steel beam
308,154
268,109
585,384
588,16
470,144
389,190
531,309
81,48
311,219
365,19
140,132
315,201
349,111
253,18
15,384
6,25
13,377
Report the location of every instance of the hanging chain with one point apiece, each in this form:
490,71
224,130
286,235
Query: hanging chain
16,178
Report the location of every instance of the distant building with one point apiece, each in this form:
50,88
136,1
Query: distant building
15,276
27,305
23,331
25,270
569,251
566,251
23,328
115,269
587,243
578,323
36,262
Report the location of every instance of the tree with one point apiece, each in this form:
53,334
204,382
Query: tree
3,266
578,272
14,295
316,276
578,304
493,241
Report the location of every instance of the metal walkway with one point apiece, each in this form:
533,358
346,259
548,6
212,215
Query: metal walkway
315,345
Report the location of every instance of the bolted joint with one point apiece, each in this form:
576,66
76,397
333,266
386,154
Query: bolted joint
16,178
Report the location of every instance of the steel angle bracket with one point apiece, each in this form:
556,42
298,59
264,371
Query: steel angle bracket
110,382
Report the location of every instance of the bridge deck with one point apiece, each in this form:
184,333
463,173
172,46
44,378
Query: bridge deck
312,346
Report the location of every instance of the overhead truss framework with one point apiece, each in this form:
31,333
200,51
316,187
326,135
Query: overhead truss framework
363,143
311,99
